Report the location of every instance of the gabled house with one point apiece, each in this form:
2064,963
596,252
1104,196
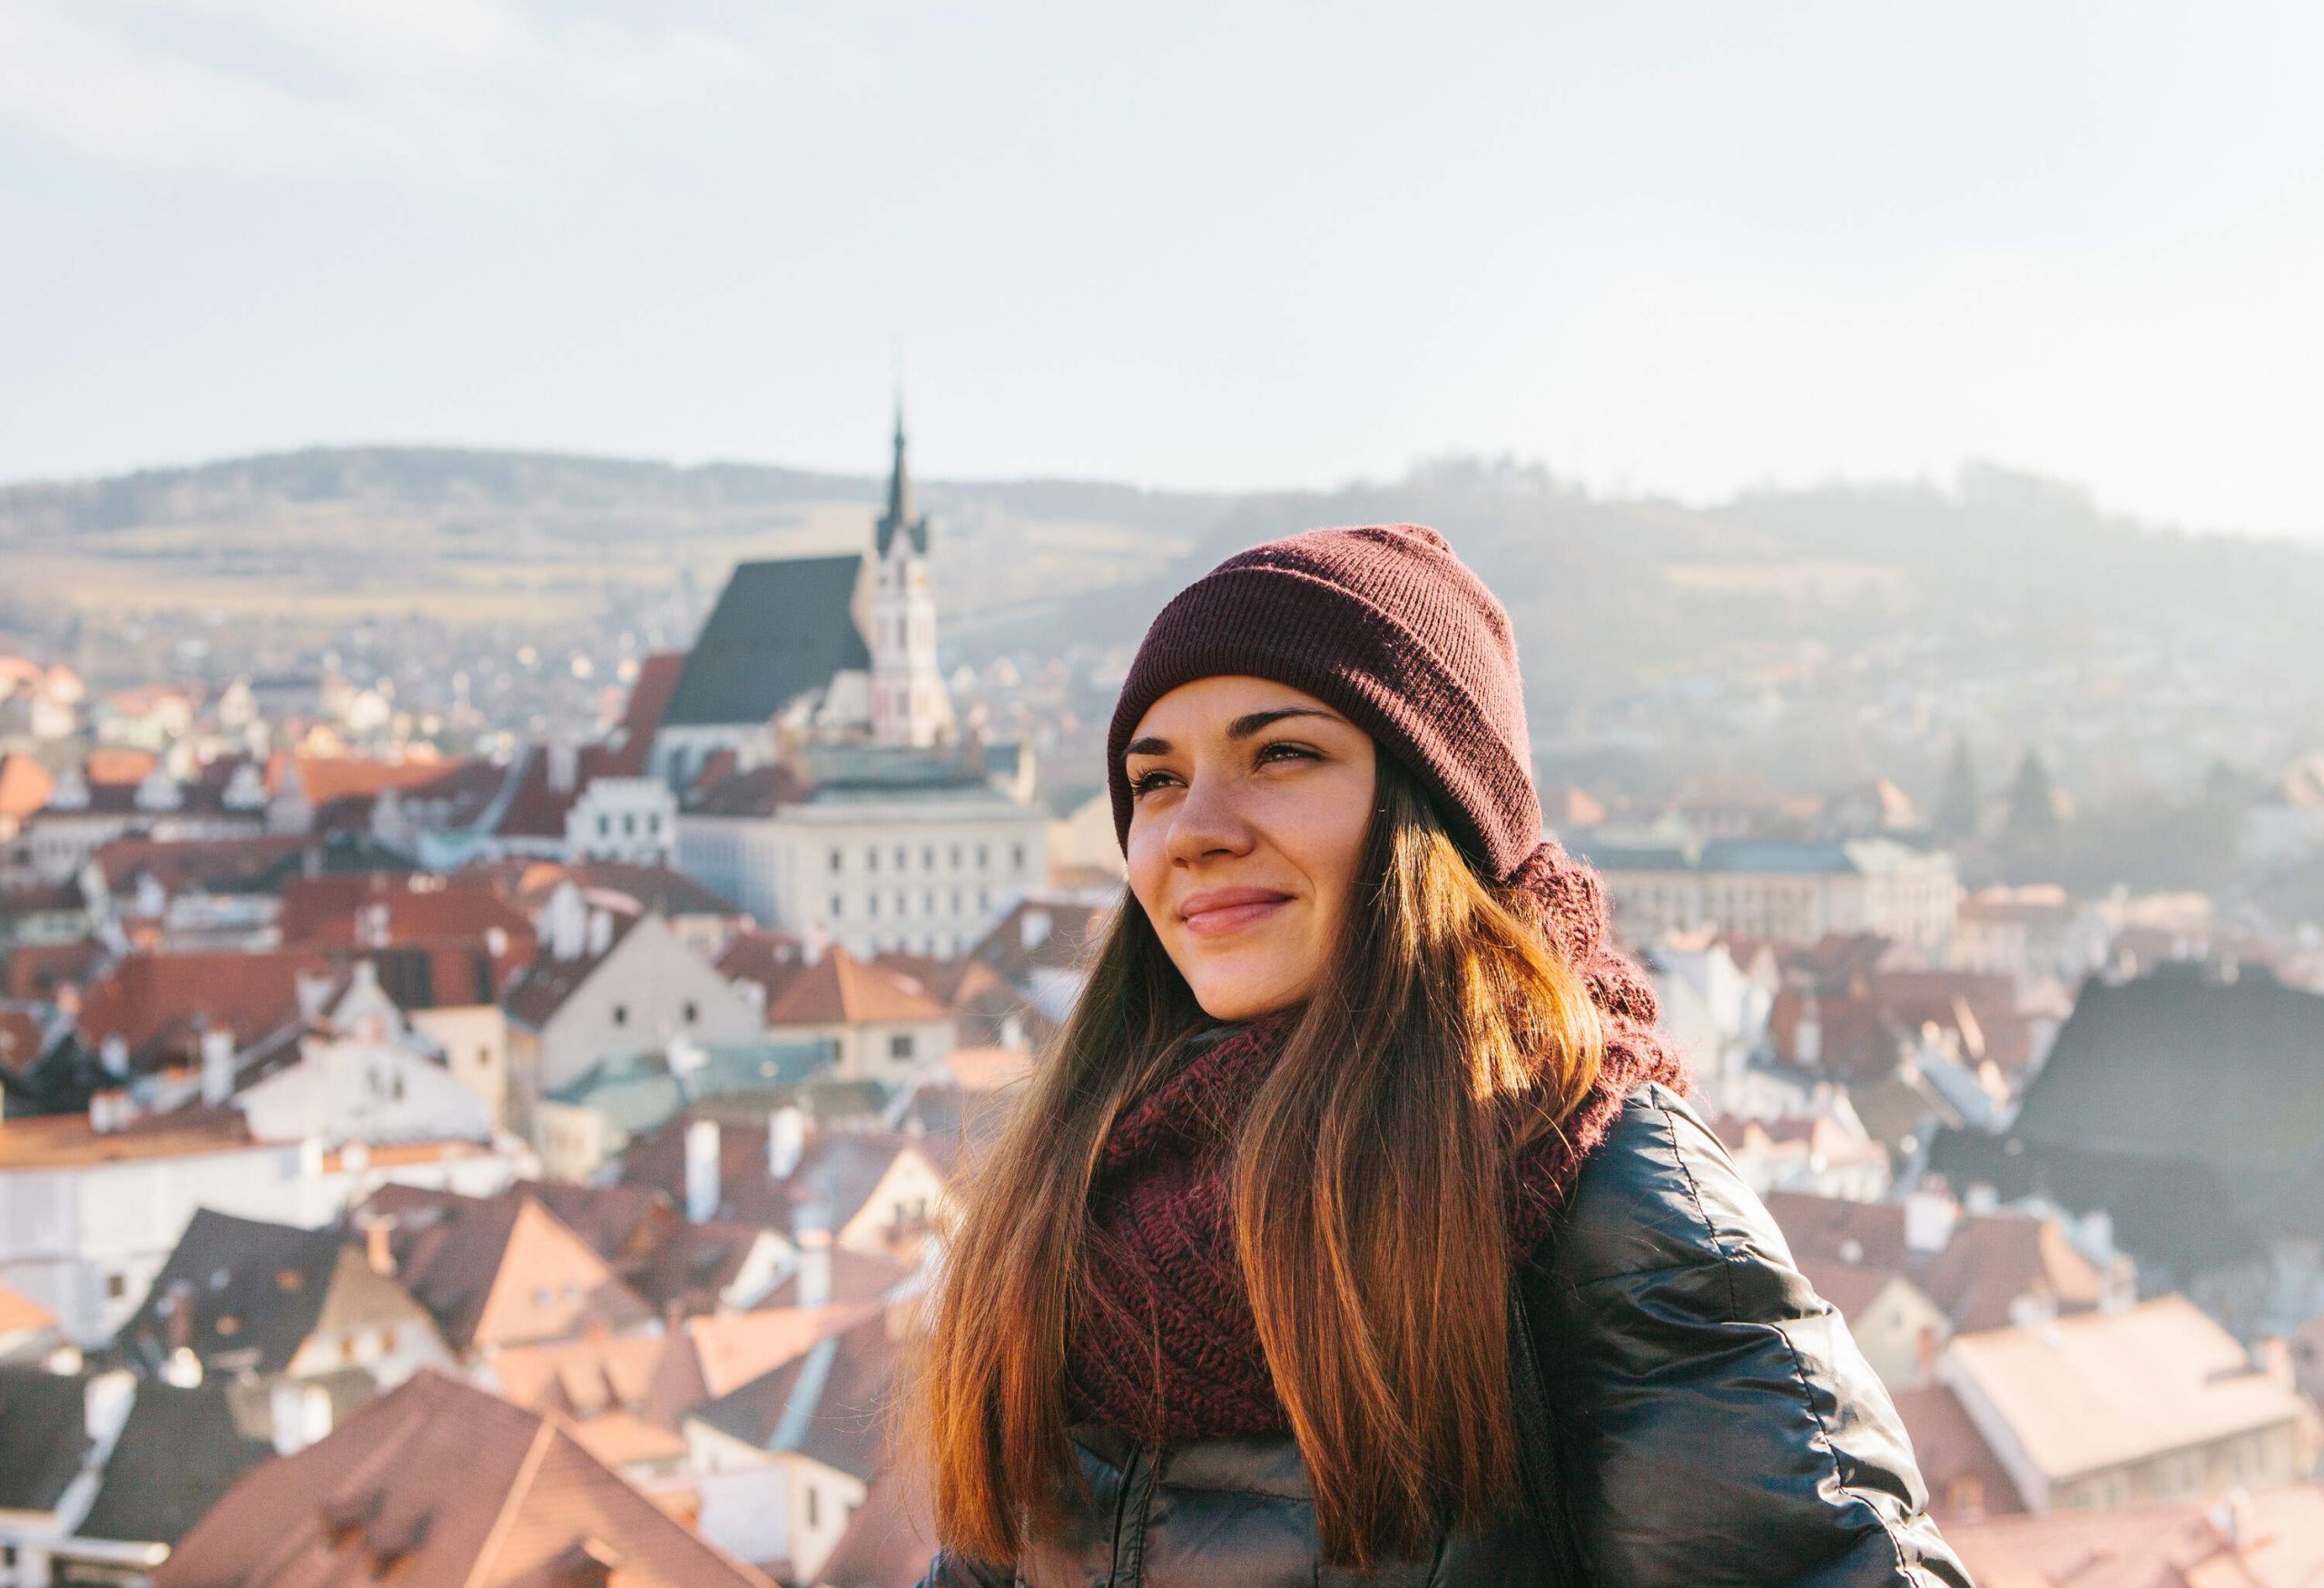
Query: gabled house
783,1462
495,1271
605,986
884,1025
247,1300
2152,1402
442,1485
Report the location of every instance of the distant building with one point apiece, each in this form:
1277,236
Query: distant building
2267,1538
2028,931
909,850
1782,892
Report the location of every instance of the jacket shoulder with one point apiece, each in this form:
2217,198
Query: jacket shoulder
1660,1192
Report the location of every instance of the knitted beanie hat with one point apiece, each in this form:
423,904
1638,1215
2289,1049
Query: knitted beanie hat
1384,623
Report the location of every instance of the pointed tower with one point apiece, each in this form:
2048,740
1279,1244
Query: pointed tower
909,705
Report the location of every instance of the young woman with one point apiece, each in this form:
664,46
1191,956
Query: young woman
1356,1227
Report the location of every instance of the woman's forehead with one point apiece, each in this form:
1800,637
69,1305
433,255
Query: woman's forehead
1207,705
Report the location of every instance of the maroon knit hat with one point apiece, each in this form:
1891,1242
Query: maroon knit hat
1385,625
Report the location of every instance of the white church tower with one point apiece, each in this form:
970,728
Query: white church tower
909,705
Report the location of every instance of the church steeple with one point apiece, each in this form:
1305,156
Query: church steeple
909,705
900,515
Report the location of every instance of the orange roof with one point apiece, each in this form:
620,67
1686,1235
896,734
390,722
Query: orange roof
841,990
2099,1389
2271,1539
37,1141
440,1485
580,1377
987,1069
24,786
618,1438
113,764
20,1313
734,1348
500,1271
325,778
1965,1477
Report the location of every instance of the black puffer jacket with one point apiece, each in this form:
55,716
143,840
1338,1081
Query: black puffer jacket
1714,1422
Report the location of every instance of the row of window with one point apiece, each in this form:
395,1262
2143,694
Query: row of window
621,1012
900,857
903,904
629,824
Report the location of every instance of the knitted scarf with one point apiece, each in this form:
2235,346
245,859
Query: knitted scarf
1164,1343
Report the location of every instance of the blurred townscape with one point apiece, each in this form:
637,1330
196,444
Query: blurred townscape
504,959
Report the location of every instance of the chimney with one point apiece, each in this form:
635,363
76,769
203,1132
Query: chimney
104,1405
702,1171
113,1054
1929,1216
566,922
182,1368
786,1140
1808,1034
301,1413
564,767
601,932
378,1250
1033,928
812,943
217,1067
810,1233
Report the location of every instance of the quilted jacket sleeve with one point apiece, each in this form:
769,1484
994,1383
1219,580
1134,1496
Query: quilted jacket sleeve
1716,1423
950,1570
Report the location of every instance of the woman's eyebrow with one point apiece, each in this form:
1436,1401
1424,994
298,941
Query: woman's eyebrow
1242,727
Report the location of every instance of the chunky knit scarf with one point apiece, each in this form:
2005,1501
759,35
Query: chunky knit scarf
1164,1343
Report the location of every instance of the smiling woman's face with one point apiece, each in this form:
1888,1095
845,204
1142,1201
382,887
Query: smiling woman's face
1251,804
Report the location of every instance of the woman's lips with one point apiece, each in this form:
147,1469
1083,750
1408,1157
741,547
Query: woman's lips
1216,914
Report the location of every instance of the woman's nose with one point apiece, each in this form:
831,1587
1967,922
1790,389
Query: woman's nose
1209,819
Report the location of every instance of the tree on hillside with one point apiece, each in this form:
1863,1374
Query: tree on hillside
2032,821
1960,807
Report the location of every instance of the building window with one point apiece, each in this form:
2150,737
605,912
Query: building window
984,899
872,857
605,825
814,1509
836,911
871,905
621,1014
902,859
984,857
691,1011
927,857
956,857
836,861
1017,856
928,901
629,827
956,900
899,1045
903,907
116,1287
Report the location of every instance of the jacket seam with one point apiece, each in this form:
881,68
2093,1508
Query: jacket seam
1799,1367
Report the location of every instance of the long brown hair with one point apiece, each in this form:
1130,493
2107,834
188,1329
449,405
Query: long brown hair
1368,1201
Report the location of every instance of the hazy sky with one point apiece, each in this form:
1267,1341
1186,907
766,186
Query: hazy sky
1673,247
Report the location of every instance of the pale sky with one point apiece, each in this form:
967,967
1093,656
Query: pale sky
1669,247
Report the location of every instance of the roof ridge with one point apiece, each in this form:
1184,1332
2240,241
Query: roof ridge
512,1503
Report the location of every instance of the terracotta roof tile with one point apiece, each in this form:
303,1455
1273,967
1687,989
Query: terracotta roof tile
2271,1539
1965,1477
24,786
156,1001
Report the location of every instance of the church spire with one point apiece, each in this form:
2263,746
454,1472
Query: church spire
900,515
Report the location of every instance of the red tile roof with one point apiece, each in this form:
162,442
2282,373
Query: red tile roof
438,1484
2272,1539
198,865
1965,1479
649,699
37,970
24,786
158,1002
842,990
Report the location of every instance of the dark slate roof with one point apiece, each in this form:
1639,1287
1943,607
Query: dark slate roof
43,1435
780,629
256,1290
179,1451
2190,1108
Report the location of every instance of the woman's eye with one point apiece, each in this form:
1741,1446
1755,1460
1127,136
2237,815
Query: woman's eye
1290,752
1139,785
